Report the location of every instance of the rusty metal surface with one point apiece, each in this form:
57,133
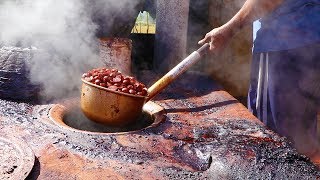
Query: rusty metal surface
207,135
116,53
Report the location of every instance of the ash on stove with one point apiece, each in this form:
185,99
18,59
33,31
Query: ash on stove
76,119
17,158
68,114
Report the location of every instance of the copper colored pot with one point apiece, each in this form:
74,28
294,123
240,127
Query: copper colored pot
109,107
115,108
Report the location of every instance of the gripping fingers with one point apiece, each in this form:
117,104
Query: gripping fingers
202,41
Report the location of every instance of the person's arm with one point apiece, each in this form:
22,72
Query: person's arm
250,11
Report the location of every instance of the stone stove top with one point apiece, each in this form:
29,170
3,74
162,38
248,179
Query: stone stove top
207,135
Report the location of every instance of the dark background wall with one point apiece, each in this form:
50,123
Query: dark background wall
231,68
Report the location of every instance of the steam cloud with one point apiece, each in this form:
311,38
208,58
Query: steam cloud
64,33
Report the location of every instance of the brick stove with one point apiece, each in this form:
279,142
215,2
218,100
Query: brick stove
207,134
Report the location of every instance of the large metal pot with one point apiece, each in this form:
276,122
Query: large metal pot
114,108
110,107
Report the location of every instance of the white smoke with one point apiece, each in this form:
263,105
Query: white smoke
64,33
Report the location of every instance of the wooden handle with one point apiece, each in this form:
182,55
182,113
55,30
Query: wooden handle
177,71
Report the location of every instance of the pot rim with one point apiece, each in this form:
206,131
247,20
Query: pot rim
106,89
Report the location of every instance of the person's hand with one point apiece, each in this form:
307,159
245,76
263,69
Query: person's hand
217,38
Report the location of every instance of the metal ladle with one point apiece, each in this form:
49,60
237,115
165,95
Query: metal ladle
115,108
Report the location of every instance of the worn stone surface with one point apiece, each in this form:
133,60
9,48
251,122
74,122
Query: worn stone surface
17,159
207,135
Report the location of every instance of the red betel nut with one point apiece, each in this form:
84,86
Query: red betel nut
114,80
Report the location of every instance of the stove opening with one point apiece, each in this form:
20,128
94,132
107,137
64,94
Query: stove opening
76,119
69,115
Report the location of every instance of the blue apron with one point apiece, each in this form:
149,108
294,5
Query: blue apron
294,24
284,88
